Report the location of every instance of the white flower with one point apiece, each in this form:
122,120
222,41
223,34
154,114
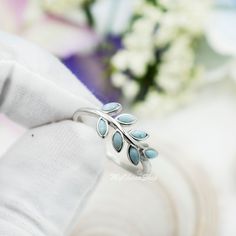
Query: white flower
172,32
167,31
134,41
130,89
119,79
177,65
180,51
138,62
139,43
143,26
182,17
152,12
120,60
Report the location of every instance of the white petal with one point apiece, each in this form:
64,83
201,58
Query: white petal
61,38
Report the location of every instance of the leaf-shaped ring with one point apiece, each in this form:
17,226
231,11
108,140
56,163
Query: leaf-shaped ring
138,152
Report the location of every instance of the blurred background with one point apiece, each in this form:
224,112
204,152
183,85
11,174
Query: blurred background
173,63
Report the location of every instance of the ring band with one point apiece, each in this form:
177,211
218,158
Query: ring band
138,152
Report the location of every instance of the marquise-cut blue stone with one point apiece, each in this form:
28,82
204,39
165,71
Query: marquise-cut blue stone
150,153
102,127
111,107
126,119
117,141
134,155
139,134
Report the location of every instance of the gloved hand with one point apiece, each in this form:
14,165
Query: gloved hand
47,176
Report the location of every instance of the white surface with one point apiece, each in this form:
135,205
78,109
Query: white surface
206,132
194,193
48,174
199,140
220,30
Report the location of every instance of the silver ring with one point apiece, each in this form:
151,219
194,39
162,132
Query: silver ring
138,152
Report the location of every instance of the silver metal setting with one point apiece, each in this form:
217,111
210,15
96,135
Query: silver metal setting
110,117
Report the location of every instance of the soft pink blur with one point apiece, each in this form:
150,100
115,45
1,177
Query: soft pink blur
56,33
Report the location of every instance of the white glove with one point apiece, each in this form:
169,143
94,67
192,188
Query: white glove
46,177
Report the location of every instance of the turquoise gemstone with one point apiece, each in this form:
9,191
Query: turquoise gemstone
139,134
117,141
111,107
102,127
126,119
134,155
150,153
